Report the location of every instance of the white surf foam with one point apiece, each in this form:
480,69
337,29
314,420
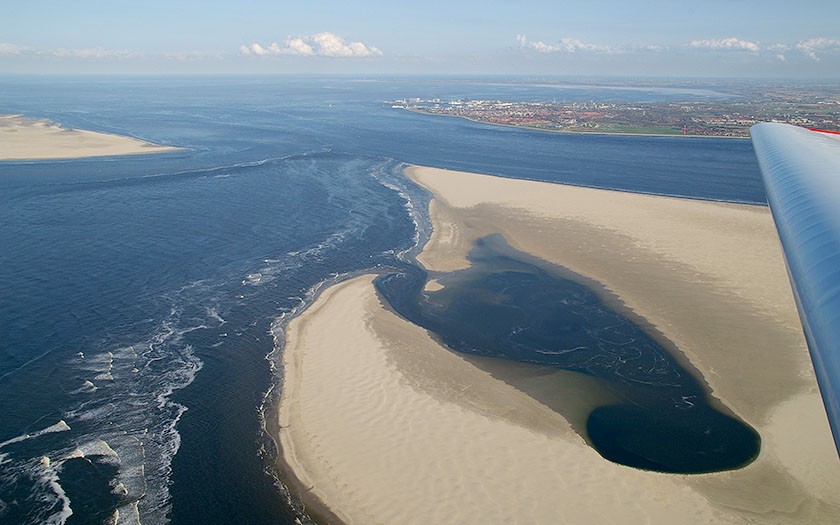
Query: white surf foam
86,388
96,447
54,494
61,426
214,314
392,176
128,514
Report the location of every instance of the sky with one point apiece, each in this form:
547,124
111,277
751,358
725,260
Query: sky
719,38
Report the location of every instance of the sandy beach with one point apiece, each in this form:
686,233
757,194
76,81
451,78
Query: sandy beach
30,139
381,424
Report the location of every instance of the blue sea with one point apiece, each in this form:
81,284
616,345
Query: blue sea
143,299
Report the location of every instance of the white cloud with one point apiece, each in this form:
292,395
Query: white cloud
7,49
191,56
253,49
96,53
564,45
12,49
731,43
812,45
812,48
320,44
295,46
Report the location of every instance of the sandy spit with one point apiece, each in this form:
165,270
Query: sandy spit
30,139
382,424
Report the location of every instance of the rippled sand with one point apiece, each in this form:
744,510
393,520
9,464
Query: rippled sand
381,424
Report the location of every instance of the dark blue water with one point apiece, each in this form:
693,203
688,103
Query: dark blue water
138,295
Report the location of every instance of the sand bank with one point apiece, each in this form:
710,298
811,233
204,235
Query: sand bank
30,139
384,425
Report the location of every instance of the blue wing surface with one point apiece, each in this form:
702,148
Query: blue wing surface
801,172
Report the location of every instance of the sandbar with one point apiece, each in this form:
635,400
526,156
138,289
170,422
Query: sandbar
36,139
380,423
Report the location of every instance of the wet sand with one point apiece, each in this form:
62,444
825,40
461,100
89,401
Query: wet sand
30,139
382,424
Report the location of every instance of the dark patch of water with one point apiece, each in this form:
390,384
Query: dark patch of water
509,305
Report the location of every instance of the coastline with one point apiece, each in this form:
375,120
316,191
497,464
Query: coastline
365,390
23,139
570,132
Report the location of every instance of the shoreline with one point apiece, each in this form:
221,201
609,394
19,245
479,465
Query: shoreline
25,139
651,253
570,132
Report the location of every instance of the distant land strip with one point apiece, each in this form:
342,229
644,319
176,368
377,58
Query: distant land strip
730,119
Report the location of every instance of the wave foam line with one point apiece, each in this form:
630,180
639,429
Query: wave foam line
393,177
128,514
61,426
96,447
49,478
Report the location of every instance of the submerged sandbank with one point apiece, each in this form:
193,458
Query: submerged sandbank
383,425
30,139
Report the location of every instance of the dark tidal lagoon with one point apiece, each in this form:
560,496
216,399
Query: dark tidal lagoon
512,306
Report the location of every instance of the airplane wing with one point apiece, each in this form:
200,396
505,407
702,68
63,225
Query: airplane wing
801,171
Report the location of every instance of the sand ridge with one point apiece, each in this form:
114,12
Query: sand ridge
387,426
32,139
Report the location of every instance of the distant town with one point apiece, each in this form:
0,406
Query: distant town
810,106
